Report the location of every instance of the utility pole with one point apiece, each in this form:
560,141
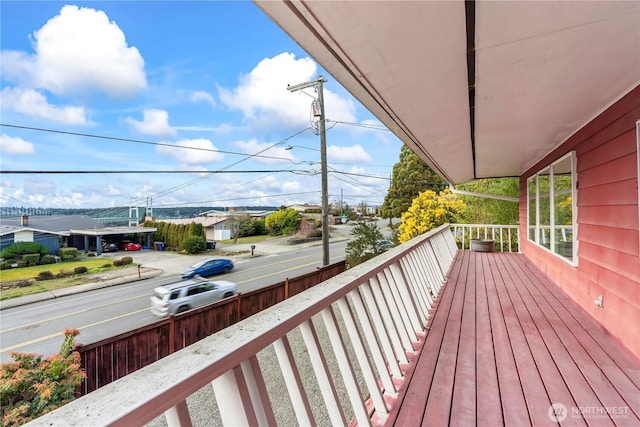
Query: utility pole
323,162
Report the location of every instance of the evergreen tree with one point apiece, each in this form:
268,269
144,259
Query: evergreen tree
410,177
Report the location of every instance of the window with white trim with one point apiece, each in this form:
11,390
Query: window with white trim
552,207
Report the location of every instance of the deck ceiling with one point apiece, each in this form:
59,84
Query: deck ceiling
537,71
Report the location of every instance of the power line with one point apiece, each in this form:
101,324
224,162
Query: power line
240,198
362,125
62,172
160,144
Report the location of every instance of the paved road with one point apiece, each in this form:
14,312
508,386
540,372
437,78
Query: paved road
105,310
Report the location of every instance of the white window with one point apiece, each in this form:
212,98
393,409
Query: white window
552,208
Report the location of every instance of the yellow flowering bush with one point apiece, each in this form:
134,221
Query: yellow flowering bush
428,211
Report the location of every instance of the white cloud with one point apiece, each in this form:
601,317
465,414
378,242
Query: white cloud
34,104
202,96
351,154
192,151
155,122
291,186
263,98
78,51
113,191
267,153
13,145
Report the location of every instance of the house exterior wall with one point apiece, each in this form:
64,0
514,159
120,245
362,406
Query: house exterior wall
51,241
608,232
23,236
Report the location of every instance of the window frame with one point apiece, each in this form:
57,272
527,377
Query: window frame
549,171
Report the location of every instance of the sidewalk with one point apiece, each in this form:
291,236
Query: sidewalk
154,263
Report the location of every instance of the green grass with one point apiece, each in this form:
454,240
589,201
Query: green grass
249,239
25,273
93,265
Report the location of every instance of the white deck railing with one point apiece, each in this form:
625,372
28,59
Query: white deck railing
506,237
333,354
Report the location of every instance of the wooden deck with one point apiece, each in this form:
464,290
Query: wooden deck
505,343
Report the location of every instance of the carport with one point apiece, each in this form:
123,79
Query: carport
99,233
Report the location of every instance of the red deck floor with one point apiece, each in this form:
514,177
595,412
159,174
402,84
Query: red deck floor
504,344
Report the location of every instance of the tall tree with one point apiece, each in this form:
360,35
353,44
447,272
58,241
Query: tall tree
410,177
483,210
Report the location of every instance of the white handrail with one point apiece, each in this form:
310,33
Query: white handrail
506,237
372,316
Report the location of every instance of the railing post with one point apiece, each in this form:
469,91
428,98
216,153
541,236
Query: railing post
172,333
178,415
233,398
293,381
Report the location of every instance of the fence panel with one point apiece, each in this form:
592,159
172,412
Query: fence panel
110,359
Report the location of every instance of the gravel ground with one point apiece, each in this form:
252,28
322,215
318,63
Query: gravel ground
203,408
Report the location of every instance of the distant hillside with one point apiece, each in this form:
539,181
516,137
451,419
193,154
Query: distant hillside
121,212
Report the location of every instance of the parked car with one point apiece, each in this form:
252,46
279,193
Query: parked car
182,296
129,246
208,267
380,247
109,247
383,245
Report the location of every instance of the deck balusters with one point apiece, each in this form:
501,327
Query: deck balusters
366,323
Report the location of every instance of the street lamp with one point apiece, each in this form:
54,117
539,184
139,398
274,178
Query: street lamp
323,160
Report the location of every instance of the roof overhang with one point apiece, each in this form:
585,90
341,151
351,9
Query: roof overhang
476,89
111,231
6,230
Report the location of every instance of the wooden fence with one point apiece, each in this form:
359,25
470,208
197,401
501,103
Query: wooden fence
107,360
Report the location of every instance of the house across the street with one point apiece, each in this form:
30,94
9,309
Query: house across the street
56,231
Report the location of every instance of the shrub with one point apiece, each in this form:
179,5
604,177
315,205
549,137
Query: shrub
23,283
48,259
194,244
283,222
21,264
126,260
45,275
80,270
29,258
32,386
21,248
64,273
117,263
107,265
68,254
91,254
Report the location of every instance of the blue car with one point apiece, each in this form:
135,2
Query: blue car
208,267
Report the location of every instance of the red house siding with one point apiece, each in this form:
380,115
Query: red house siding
608,231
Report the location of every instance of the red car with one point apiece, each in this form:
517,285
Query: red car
128,246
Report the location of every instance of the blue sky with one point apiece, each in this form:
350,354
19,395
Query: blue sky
197,87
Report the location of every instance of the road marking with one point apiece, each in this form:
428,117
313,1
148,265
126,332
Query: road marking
26,325
279,272
57,334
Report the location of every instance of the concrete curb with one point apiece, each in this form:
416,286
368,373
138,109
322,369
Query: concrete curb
148,272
